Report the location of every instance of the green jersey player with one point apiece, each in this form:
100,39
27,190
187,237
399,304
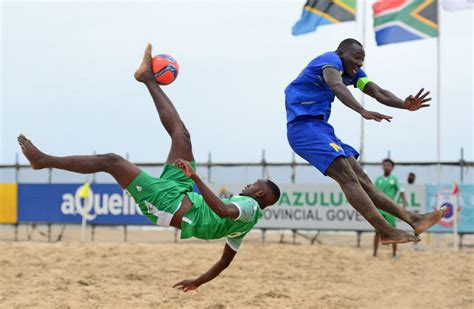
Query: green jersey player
169,200
388,184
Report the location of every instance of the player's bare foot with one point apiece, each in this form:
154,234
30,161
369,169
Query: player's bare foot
397,237
145,71
33,154
426,221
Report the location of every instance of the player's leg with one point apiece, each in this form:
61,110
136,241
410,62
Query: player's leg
376,242
122,170
341,171
181,146
418,222
394,250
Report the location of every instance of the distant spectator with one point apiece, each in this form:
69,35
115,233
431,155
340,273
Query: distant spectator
224,193
389,185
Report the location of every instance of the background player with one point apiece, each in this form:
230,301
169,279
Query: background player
389,185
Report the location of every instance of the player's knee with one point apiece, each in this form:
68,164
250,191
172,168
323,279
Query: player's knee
111,159
342,172
364,179
186,134
348,177
183,137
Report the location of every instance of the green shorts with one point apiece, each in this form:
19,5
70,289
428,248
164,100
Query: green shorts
159,198
390,218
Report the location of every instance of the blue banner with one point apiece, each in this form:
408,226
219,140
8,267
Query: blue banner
461,198
62,203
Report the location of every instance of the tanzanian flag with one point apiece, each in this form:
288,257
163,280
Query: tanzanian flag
323,12
404,20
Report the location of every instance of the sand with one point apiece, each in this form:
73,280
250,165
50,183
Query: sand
114,274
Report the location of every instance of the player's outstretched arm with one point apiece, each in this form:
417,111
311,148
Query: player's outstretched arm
334,81
221,209
385,97
214,271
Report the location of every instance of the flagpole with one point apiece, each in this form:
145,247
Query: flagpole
362,101
438,104
454,196
455,203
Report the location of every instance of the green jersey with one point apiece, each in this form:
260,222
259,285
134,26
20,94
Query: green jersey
388,185
159,199
202,222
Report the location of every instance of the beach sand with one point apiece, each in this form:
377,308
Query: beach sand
140,274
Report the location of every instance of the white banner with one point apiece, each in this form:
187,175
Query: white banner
320,207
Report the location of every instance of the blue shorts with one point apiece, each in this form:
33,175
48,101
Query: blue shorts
314,140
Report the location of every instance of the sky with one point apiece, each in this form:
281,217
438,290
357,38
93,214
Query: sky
67,80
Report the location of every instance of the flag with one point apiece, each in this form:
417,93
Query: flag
84,192
404,20
324,12
455,189
456,5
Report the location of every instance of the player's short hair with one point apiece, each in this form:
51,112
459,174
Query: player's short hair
388,160
275,189
348,43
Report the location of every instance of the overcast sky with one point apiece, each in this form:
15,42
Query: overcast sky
67,79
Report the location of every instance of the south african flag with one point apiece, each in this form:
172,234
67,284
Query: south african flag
404,20
323,12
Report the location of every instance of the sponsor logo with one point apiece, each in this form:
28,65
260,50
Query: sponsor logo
446,198
96,204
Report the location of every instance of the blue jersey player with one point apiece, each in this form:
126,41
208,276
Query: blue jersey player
308,102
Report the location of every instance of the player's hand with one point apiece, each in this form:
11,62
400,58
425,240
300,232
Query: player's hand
186,285
375,116
413,103
185,167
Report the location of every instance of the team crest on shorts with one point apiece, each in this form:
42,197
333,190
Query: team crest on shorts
335,146
151,208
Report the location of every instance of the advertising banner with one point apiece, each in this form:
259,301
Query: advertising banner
8,203
322,207
460,197
64,203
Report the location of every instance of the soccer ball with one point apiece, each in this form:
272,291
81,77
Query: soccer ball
165,69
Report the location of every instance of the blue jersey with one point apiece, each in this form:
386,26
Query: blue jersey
310,95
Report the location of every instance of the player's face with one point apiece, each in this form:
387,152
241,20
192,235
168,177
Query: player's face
260,191
387,168
252,189
352,59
